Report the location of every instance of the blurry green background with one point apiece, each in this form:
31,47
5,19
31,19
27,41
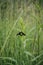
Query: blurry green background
25,16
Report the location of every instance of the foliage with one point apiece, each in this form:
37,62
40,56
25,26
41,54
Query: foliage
16,16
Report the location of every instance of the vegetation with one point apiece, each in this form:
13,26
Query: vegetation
25,16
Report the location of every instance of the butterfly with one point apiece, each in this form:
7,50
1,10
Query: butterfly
21,34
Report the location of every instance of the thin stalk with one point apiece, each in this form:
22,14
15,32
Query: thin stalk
38,43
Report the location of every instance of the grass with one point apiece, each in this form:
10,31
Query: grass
22,50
